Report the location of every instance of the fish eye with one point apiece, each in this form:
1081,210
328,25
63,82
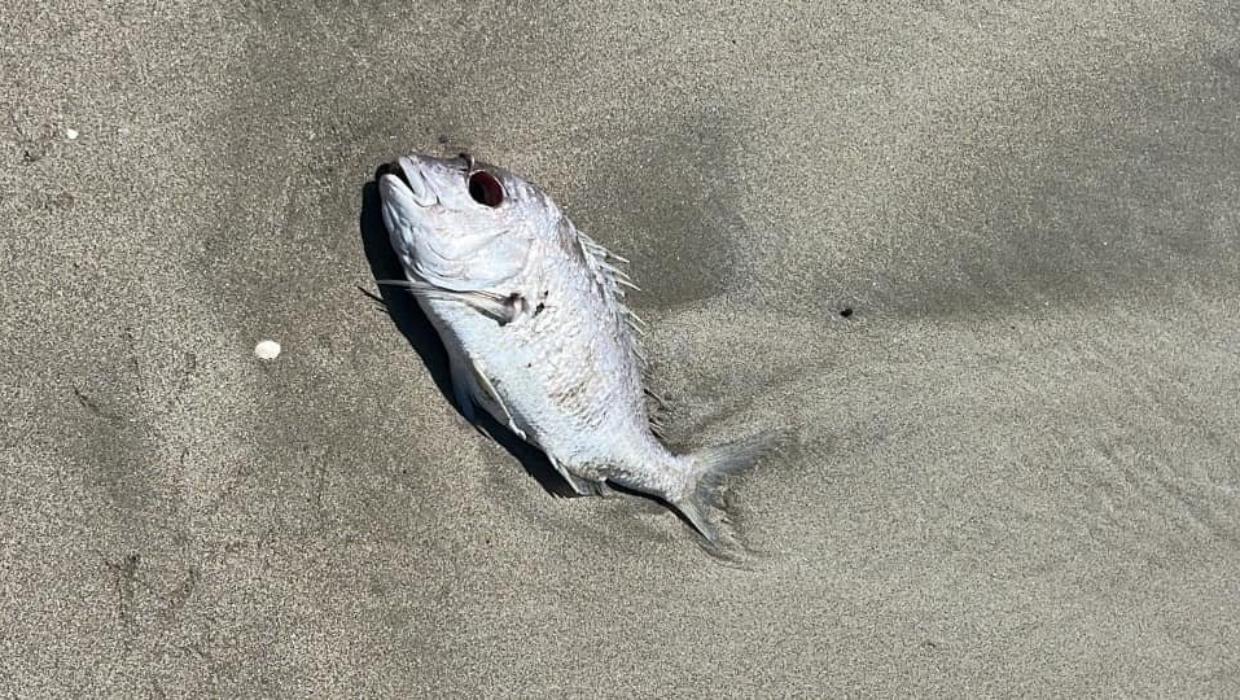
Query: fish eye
485,189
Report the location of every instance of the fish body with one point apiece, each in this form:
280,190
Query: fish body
532,313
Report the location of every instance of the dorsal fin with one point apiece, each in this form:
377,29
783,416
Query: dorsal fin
612,283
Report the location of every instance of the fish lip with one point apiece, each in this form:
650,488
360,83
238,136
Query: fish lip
405,183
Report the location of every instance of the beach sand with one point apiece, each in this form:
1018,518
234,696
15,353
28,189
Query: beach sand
981,260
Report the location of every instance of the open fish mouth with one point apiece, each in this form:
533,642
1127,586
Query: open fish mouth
403,183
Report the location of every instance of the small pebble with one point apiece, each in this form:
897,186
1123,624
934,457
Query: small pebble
71,134
267,350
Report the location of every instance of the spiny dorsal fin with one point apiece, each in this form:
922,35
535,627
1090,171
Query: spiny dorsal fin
612,282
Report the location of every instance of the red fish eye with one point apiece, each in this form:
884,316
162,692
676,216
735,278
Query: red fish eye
485,189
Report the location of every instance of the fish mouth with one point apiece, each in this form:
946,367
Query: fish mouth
403,183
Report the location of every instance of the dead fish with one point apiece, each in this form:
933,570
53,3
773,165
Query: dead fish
532,312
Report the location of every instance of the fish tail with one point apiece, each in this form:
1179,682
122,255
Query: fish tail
703,503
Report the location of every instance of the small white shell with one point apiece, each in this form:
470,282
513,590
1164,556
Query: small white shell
267,350
71,134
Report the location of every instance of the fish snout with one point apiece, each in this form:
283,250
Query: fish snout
412,182
391,169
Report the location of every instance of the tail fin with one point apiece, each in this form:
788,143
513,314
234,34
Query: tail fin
703,504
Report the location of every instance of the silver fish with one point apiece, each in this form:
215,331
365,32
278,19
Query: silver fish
533,315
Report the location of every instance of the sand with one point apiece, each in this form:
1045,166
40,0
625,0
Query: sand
981,259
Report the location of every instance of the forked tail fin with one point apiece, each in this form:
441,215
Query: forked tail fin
703,504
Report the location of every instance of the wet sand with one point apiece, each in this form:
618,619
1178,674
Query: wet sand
981,260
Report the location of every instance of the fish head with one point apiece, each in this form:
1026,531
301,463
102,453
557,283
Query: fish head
461,223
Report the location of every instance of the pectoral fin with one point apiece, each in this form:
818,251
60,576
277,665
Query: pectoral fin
504,309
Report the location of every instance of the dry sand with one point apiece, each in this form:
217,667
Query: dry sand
1016,464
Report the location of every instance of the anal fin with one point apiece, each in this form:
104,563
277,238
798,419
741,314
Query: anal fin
580,486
